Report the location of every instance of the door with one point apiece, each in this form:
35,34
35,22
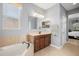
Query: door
41,40
47,40
64,29
36,44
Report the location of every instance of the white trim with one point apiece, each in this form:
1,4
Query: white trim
58,47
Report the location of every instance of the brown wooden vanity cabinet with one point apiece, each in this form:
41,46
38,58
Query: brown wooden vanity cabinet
36,44
47,40
41,41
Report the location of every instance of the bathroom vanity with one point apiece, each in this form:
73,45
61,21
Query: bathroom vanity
40,41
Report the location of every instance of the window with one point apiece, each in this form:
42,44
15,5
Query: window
11,16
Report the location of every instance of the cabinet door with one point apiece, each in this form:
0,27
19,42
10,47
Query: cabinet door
47,40
41,40
36,44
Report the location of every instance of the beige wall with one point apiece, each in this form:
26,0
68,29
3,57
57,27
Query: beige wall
7,40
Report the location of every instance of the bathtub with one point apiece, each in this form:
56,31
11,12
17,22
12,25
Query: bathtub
18,49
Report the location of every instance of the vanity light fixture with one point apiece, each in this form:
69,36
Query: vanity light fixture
38,15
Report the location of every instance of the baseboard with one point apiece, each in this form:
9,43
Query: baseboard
58,47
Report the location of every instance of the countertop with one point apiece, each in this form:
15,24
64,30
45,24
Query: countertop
37,33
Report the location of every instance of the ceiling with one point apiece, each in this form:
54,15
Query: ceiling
45,5
70,6
67,6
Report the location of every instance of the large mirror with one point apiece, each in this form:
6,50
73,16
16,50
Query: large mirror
33,23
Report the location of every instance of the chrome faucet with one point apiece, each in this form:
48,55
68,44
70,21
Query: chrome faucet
26,43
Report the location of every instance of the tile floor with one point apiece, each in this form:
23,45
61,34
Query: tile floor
70,49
